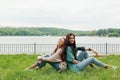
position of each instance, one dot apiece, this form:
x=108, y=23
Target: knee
x=92, y=58
x=83, y=52
x=47, y=55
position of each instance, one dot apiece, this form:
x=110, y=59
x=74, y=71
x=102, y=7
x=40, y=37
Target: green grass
x=12, y=68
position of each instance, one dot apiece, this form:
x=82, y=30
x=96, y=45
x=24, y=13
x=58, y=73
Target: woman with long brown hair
x=74, y=62
x=56, y=59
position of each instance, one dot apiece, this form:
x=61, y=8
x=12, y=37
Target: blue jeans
x=82, y=65
x=83, y=55
x=53, y=64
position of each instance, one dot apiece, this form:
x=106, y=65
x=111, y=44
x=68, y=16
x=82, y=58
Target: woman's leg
x=36, y=65
x=32, y=66
x=82, y=55
x=55, y=65
x=41, y=64
x=82, y=65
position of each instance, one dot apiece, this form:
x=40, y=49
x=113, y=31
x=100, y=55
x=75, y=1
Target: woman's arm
x=56, y=57
x=95, y=52
x=88, y=49
x=49, y=59
x=81, y=48
x=70, y=57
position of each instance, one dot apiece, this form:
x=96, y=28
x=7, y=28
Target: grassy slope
x=12, y=68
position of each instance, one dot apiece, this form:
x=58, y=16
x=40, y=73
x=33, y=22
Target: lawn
x=12, y=68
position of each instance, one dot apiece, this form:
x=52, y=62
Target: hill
x=39, y=32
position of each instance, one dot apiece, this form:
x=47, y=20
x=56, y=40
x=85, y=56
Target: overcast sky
x=69, y=14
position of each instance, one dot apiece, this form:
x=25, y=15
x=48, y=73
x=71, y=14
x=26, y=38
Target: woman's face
x=72, y=39
x=61, y=42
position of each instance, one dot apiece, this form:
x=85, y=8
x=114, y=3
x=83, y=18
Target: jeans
x=82, y=65
x=82, y=55
x=53, y=64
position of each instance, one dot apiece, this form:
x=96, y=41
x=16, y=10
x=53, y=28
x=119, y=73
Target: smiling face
x=72, y=39
x=61, y=42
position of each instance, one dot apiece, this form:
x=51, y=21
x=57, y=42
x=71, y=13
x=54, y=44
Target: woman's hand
x=95, y=52
x=75, y=61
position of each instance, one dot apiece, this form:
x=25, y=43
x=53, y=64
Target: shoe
x=27, y=69
x=114, y=67
x=60, y=70
x=37, y=68
x=108, y=66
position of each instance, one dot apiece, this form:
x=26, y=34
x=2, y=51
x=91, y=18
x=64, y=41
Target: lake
x=54, y=39
x=46, y=44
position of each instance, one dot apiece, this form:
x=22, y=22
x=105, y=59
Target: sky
x=68, y=14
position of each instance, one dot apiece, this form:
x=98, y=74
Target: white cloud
x=82, y=14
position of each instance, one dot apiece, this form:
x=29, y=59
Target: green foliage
x=12, y=68
x=56, y=32
x=115, y=34
x=39, y=32
x=108, y=32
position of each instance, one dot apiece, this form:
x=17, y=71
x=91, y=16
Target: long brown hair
x=63, y=50
x=67, y=43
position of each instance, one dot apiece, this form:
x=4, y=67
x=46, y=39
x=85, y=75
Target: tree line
x=23, y=31
x=108, y=32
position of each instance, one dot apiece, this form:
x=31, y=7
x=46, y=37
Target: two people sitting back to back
x=65, y=57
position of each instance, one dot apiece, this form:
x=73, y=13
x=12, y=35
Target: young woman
x=77, y=64
x=55, y=59
x=83, y=54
